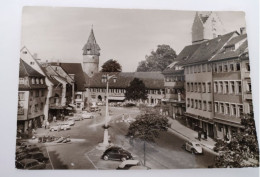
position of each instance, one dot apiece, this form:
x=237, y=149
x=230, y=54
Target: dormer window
x=31, y=63
x=41, y=81
x=24, y=52
x=230, y=48
x=33, y=80
x=37, y=81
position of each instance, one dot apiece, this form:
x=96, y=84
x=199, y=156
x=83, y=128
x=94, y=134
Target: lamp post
x=106, y=78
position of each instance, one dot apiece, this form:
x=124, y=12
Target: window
x=42, y=93
x=216, y=107
x=188, y=86
x=226, y=87
x=209, y=67
x=30, y=110
x=220, y=87
x=204, y=105
x=221, y=108
x=241, y=111
x=41, y=81
x=203, y=87
x=237, y=66
x=31, y=63
x=195, y=87
x=225, y=67
x=220, y=67
x=232, y=87
x=192, y=103
x=220, y=127
x=41, y=108
x=199, y=87
x=248, y=87
x=234, y=109
x=33, y=81
x=247, y=67
x=21, y=96
x=36, y=108
x=239, y=87
x=188, y=102
x=215, y=87
x=196, y=104
x=37, y=81
x=199, y=68
x=231, y=66
x=200, y=106
x=227, y=109
x=37, y=93
x=209, y=87
x=209, y=106
x=21, y=80
x=191, y=87
x=215, y=68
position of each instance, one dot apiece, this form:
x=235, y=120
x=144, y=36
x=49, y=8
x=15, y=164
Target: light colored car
x=87, y=115
x=100, y=103
x=71, y=122
x=29, y=164
x=193, y=147
x=132, y=165
x=61, y=126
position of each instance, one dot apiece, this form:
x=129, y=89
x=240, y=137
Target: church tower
x=206, y=25
x=91, y=55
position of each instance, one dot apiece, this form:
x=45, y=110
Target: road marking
x=49, y=157
x=92, y=162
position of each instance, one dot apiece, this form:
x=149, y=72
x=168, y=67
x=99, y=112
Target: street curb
x=204, y=146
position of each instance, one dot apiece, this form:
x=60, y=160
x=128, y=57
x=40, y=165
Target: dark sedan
x=116, y=153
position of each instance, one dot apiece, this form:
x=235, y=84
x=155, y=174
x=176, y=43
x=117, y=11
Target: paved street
x=81, y=153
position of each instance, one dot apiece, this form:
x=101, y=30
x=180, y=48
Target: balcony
x=178, y=84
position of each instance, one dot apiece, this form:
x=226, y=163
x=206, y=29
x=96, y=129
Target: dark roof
x=231, y=53
x=27, y=70
x=91, y=47
x=236, y=39
x=152, y=80
x=207, y=49
x=75, y=68
x=52, y=80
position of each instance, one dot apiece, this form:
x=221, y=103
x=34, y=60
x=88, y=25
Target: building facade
x=31, y=98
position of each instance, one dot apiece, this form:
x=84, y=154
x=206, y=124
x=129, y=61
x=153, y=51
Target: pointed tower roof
x=91, y=47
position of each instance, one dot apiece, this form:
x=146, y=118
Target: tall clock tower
x=91, y=53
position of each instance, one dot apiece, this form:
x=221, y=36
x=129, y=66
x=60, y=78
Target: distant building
x=31, y=98
x=91, y=53
x=96, y=89
x=206, y=26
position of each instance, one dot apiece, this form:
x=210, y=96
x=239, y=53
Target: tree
x=136, y=90
x=111, y=66
x=242, y=150
x=158, y=60
x=147, y=127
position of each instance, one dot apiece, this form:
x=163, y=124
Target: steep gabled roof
x=208, y=49
x=91, y=47
x=76, y=68
x=236, y=39
x=152, y=80
x=27, y=70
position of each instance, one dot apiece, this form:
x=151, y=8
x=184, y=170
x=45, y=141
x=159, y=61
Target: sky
x=126, y=35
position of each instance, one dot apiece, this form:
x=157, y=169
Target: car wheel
x=123, y=159
x=105, y=157
x=193, y=151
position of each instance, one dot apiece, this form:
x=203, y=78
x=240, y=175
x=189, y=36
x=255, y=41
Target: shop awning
x=116, y=98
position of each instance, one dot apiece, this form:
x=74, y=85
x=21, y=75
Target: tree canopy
x=111, y=66
x=148, y=126
x=136, y=90
x=242, y=150
x=158, y=60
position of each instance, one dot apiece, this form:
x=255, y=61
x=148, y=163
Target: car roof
x=37, y=152
x=128, y=162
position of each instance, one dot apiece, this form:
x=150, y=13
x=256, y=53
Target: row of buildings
x=208, y=85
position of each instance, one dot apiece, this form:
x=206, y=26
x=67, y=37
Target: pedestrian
x=205, y=135
x=54, y=118
x=199, y=135
x=47, y=125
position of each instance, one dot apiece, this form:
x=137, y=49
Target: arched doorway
x=99, y=98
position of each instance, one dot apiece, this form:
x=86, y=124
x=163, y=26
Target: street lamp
x=106, y=78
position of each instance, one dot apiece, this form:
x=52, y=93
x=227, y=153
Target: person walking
x=54, y=118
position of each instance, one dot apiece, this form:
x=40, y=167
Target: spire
x=91, y=47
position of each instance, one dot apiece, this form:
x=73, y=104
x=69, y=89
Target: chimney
x=242, y=30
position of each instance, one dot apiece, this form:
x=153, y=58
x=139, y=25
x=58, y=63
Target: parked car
x=132, y=165
x=193, y=147
x=100, y=103
x=87, y=115
x=61, y=126
x=32, y=149
x=29, y=164
x=94, y=108
x=69, y=122
x=116, y=153
x=76, y=118
x=21, y=156
x=38, y=156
